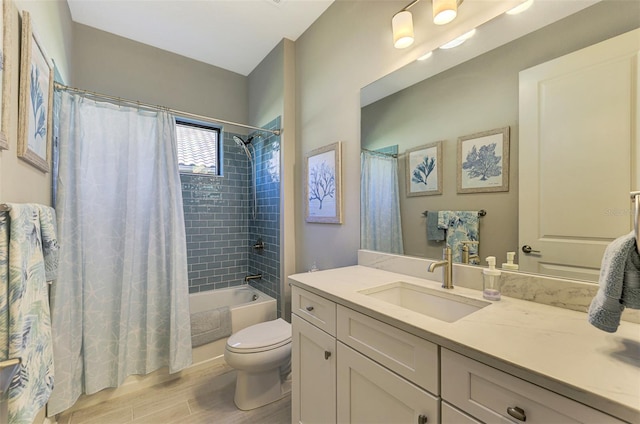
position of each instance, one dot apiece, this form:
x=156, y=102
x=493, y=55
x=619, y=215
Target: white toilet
x=261, y=354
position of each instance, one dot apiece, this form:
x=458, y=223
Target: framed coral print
x=483, y=161
x=36, y=99
x=424, y=170
x=323, y=194
x=5, y=70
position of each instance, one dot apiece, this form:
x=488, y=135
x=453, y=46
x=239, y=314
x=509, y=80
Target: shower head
x=240, y=142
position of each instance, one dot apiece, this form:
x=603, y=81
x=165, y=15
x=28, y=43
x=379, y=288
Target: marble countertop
x=552, y=347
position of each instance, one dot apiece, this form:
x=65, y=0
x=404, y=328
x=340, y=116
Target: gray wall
x=478, y=95
x=113, y=65
x=348, y=47
x=19, y=181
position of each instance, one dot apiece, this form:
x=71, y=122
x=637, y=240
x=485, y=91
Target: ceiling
x=232, y=34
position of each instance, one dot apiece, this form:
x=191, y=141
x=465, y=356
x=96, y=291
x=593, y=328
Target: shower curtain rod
x=393, y=155
x=59, y=86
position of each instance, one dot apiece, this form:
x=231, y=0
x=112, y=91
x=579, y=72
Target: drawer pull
x=327, y=354
x=309, y=308
x=517, y=413
x=422, y=419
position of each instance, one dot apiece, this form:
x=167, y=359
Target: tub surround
x=552, y=347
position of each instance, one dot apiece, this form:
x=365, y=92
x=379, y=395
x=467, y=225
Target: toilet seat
x=260, y=337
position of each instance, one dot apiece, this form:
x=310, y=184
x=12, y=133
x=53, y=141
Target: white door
x=370, y=393
x=313, y=366
x=578, y=131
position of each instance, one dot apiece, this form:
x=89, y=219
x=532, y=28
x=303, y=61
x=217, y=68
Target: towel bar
x=481, y=212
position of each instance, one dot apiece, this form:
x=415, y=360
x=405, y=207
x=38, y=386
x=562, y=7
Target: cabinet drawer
x=488, y=394
x=315, y=309
x=410, y=356
x=451, y=415
x=370, y=393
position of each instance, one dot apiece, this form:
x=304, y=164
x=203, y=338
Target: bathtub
x=248, y=306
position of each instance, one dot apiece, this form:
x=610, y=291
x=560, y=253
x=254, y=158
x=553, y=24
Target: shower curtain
x=120, y=306
x=380, y=226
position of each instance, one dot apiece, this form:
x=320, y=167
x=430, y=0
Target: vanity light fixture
x=457, y=41
x=444, y=11
x=520, y=8
x=402, y=24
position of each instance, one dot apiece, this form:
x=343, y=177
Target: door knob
x=528, y=249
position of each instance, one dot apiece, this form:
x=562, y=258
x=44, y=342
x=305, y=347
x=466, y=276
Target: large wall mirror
x=482, y=92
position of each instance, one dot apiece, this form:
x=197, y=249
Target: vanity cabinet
x=370, y=393
x=491, y=395
x=313, y=358
x=351, y=368
x=373, y=362
x=313, y=366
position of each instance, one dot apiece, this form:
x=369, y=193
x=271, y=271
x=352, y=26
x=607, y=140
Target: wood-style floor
x=199, y=398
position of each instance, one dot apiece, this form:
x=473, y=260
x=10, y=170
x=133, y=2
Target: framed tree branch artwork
x=424, y=170
x=323, y=185
x=483, y=162
x=5, y=71
x=35, y=100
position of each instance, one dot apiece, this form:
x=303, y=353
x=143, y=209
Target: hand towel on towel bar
x=619, y=284
x=209, y=326
x=461, y=226
x=434, y=233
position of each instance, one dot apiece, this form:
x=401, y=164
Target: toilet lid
x=262, y=335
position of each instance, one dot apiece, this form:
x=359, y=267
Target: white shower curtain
x=120, y=305
x=380, y=224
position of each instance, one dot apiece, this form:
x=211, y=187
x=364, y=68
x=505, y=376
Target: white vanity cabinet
x=383, y=374
x=491, y=395
x=351, y=368
x=313, y=358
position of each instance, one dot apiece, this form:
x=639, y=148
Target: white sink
x=444, y=306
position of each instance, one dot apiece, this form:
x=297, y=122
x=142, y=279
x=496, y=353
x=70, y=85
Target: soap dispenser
x=491, y=280
x=510, y=265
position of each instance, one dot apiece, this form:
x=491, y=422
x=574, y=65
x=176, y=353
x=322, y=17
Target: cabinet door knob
x=422, y=419
x=327, y=354
x=309, y=308
x=517, y=413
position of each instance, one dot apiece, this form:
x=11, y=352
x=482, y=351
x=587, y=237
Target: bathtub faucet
x=252, y=277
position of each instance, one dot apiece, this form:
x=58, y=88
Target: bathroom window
x=198, y=147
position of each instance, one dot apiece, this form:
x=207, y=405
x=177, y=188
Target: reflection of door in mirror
x=578, y=133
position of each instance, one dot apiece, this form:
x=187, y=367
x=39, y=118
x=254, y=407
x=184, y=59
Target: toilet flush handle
x=327, y=354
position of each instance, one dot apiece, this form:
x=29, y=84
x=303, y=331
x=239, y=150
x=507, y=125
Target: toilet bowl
x=261, y=355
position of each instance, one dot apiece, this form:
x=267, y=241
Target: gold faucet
x=447, y=272
x=466, y=257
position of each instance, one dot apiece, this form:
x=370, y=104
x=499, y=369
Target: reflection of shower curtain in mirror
x=380, y=226
x=121, y=305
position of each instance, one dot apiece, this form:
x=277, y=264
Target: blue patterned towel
x=619, y=284
x=461, y=226
x=25, y=321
